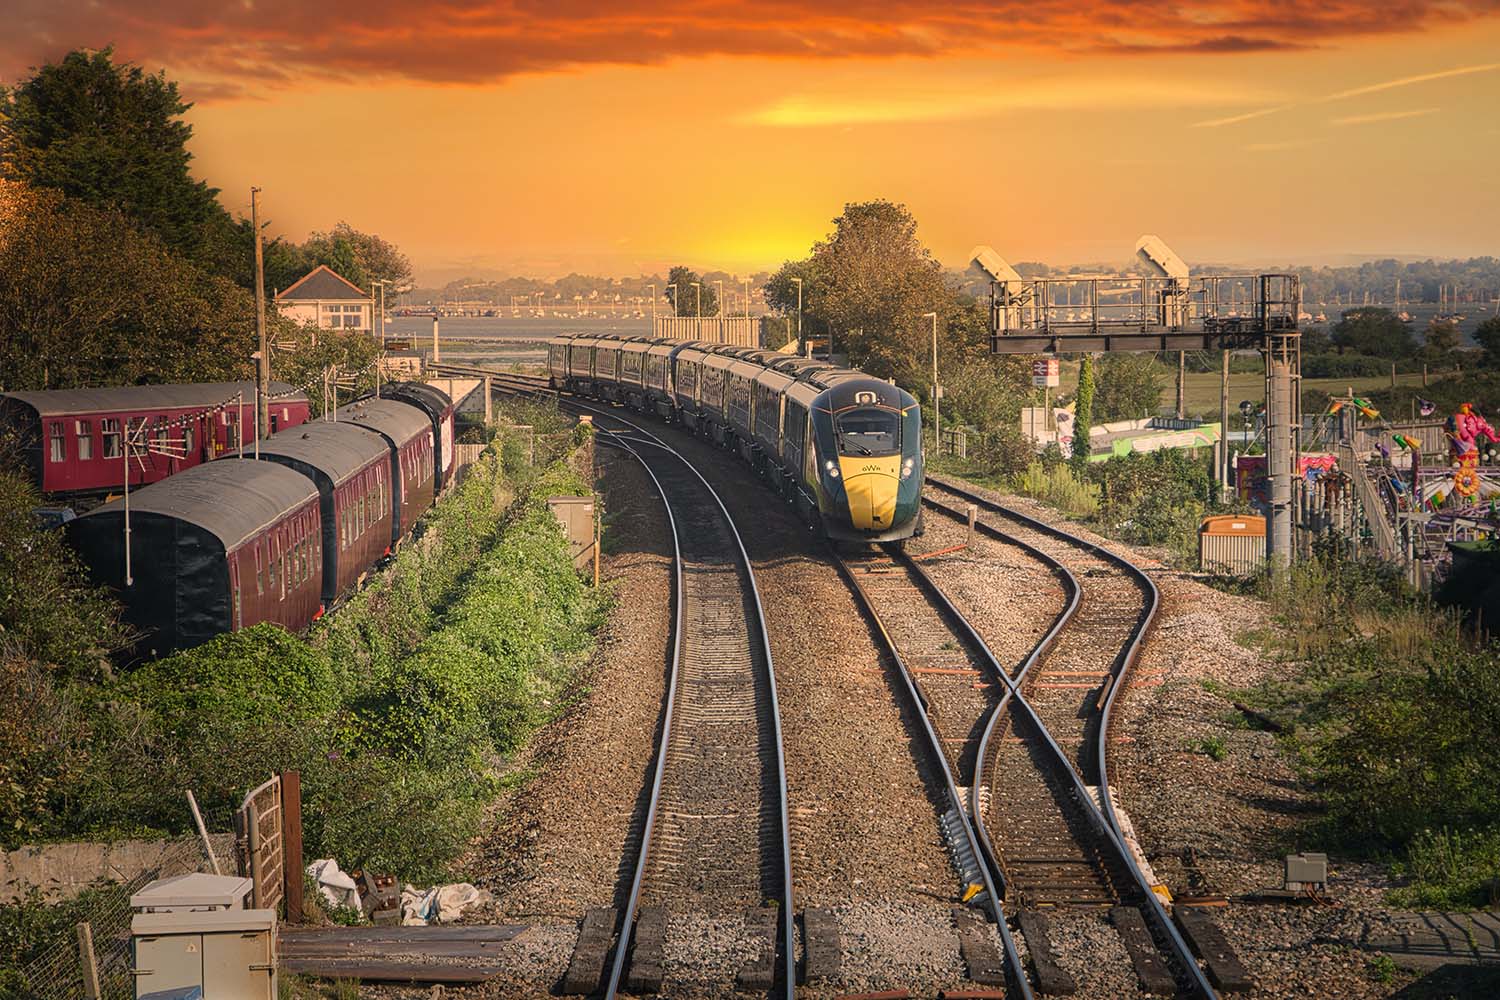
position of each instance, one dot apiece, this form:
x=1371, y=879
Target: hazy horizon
x=483, y=139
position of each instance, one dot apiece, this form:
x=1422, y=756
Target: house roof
x=322, y=283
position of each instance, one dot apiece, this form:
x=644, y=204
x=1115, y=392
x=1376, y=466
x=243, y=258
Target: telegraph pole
x=263, y=364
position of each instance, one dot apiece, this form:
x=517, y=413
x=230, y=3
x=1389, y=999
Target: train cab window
x=59, y=451
x=868, y=431
x=85, y=432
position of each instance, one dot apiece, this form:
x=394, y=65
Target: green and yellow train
x=844, y=448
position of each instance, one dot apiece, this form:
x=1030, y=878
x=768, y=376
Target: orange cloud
x=252, y=44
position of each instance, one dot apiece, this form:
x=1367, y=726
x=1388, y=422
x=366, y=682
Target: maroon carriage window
x=59, y=442
x=84, y=430
x=109, y=429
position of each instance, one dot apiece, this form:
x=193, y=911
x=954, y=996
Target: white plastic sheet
x=441, y=904
x=336, y=888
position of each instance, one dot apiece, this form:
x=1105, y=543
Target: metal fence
x=65, y=970
x=257, y=827
x=741, y=330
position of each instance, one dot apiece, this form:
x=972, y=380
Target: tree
x=1083, y=416
x=1130, y=386
x=1373, y=331
x=1487, y=336
x=89, y=298
x=685, y=298
x=360, y=257
x=113, y=136
x=1441, y=343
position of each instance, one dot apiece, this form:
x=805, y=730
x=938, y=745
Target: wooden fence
x=259, y=840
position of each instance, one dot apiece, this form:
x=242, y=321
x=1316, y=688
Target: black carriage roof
x=232, y=499
x=423, y=391
x=394, y=419
x=66, y=402
x=335, y=449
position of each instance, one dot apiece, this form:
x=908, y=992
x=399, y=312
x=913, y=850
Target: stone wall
x=61, y=871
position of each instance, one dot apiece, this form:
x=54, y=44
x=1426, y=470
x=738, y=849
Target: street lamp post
x=381, y=282
x=937, y=390
x=801, y=348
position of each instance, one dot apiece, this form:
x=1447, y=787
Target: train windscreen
x=869, y=431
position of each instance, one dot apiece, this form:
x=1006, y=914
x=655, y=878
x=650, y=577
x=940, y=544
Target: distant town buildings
x=326, y=301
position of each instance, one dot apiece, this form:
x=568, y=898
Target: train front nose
x=871, y=485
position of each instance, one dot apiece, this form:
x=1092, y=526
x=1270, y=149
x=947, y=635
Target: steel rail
x=1102, y=812
x=787, y=913
x=994, y=880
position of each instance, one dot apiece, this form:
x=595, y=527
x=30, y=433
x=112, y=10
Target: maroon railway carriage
x=439, y=409
x=407, y=432
x=216, y=548
x=73, y=439
x=352, y=472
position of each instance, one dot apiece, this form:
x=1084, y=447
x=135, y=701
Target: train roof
x=232, y=499
x=107, y=399
x=398, y=421
x=337, y=450
x=429, y=395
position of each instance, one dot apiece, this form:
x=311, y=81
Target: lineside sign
x=1044, y=372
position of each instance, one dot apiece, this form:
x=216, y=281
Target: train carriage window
x=187, y=439
x=239, y=619
x=109, y=430
x=59, y=441
x=271, y=562
x=85, y=432
x=260, y=573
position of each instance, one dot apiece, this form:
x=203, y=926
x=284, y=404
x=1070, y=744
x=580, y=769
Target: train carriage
x=73, y=440
x=629, y=385
x=439, y=409
x=407, y=434
x=656, y=378
x=350, y=467
x=218, y=547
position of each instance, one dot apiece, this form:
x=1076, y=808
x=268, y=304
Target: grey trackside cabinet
x=577, y=517
x=194, y=932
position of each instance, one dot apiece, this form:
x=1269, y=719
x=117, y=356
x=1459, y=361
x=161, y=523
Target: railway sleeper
x=1152, y=972
x=648, y=950
x=1051, y=978
x=760, y=972
x=977, y=947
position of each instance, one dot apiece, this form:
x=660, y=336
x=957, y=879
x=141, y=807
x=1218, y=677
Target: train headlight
x=907, y=467
x=832, y=468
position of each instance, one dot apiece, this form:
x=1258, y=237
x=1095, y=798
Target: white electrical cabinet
x=194, y=932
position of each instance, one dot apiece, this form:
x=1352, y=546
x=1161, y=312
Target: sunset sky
x=617, y=138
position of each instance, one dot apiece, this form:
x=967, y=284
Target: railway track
x=1041, y=797
x=714, y=846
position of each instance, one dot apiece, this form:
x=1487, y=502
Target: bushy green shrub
x=1392, y=710
x=48, y=610
x=1058, y=487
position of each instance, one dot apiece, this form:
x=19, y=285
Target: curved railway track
x=1046, y=811
x=1022, y=750
x=715, y=838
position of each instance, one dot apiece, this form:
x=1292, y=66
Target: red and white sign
x=1044, y=372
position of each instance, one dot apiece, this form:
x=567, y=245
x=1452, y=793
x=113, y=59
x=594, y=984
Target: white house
x=327, y=301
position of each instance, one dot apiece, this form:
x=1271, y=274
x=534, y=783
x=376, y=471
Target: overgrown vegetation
x=1158, y=498
x=398, y=710
x=1392, y=709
